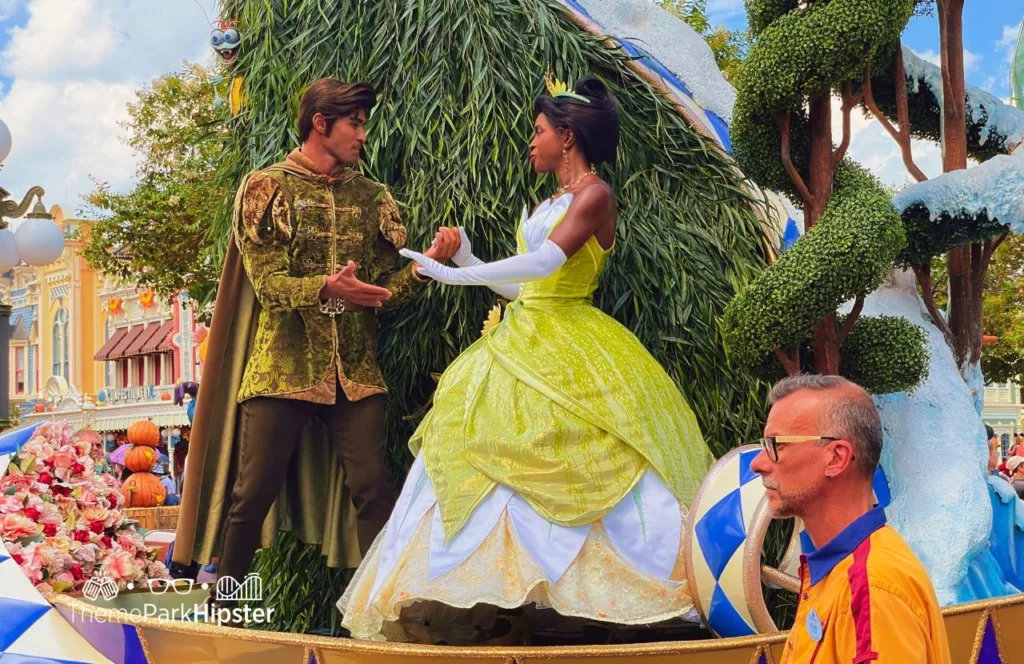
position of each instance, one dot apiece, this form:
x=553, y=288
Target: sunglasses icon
x=180, y=586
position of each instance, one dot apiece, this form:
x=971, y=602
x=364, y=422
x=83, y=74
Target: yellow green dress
x=553, y=469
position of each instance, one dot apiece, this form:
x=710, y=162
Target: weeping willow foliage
x=456, y=82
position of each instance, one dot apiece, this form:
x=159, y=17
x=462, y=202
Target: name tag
x=814, y=627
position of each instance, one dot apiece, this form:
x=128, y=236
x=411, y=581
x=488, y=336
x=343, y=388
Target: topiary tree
x=932, y=103
x=787, y=320
x=456, y=84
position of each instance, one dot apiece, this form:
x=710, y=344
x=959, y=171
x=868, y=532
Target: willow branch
x=851, y=319
x=782, y=119
x=924, y=277
x=790, y=362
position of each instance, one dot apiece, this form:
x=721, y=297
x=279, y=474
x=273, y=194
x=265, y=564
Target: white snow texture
x=673, y=42
x=995, y=186
x=934, y=452
x=1007, y=120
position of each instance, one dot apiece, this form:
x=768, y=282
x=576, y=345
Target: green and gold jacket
x=295, y=226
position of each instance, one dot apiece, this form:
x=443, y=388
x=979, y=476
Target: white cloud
x=989, y=84
x=871, y=146
x=1009, y=37
x=971, y=59
x=75, y=64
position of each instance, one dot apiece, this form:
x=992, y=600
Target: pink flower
x=16, y=526
x=10, y=504
x=44, y=588
x=120, y=566
x=17, y=481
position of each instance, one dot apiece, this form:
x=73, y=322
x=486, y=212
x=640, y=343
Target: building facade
x=1002, y=411
x=78, y=337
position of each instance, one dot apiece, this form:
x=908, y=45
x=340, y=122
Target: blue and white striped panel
x=671, y=81
x=31, y=630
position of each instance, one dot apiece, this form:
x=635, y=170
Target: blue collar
x=822, y=560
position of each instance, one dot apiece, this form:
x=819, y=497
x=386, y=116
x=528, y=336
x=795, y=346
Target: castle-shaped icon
x=249, y=590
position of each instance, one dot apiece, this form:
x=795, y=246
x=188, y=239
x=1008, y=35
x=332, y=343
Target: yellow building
x=78, y=337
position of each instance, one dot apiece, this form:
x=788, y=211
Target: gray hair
x=852, y=417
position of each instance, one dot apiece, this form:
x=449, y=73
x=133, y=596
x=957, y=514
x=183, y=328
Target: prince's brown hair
x=333, y=99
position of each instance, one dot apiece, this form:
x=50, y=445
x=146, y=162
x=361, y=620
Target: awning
x=122, y=422
x=126, y=341
x=104, y=353
x=135, y=347
x=160, y=342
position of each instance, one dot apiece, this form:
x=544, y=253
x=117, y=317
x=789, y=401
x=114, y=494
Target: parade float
x=680, y=190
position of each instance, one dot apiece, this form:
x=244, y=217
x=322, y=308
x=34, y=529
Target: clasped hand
x=346, y=286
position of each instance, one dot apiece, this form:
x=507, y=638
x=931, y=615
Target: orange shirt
x=865, y=597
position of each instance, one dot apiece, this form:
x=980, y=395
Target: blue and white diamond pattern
x=722, y=517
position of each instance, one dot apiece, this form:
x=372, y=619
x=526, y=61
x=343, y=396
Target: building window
x=19, y=371
x=157, y=369
x=61, y=345
x=124, y=373
x=140, y=372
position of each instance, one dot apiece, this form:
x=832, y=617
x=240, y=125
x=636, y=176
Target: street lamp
x=39, y=241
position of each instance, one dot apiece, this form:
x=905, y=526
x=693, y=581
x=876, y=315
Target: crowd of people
x=1011, y=468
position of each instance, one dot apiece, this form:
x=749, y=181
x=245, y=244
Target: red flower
x=50, y=530
x=32, y=513
x=61, y=490
x=17, y=558
x=76, y=571
x=112, y=501
x=45, y=478
x=106, y=541
x=96, y=527
x=82, y=536
x=77, y=468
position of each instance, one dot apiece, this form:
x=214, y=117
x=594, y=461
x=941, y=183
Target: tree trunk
x=963, y=262
x=819, y=182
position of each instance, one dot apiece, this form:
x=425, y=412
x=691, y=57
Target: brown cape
x=314, y=505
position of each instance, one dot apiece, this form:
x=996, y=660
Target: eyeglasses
x=770, y=444
x=181, y=586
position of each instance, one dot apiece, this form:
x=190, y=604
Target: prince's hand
x=447, y=242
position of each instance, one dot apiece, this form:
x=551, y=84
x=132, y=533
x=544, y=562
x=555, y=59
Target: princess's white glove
x=527, y=267
x=464, y=258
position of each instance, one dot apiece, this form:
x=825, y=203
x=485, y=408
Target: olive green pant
x=269, y=434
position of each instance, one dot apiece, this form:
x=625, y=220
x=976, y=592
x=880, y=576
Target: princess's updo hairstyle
x=596, y=125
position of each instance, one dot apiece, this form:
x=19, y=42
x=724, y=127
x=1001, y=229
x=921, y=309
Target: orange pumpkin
x=140, y=459
x=144, y=432
x=143, y=490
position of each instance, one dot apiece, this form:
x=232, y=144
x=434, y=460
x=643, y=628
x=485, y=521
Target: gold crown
x=558, y=88
x=555, y=87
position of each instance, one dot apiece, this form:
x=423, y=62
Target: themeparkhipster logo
x=225, y=611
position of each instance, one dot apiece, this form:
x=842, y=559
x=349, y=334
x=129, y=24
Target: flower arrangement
x=61, y=516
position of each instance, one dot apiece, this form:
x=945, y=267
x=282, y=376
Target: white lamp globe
x=8, y=252
x=39, y=241
x=5, y=141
